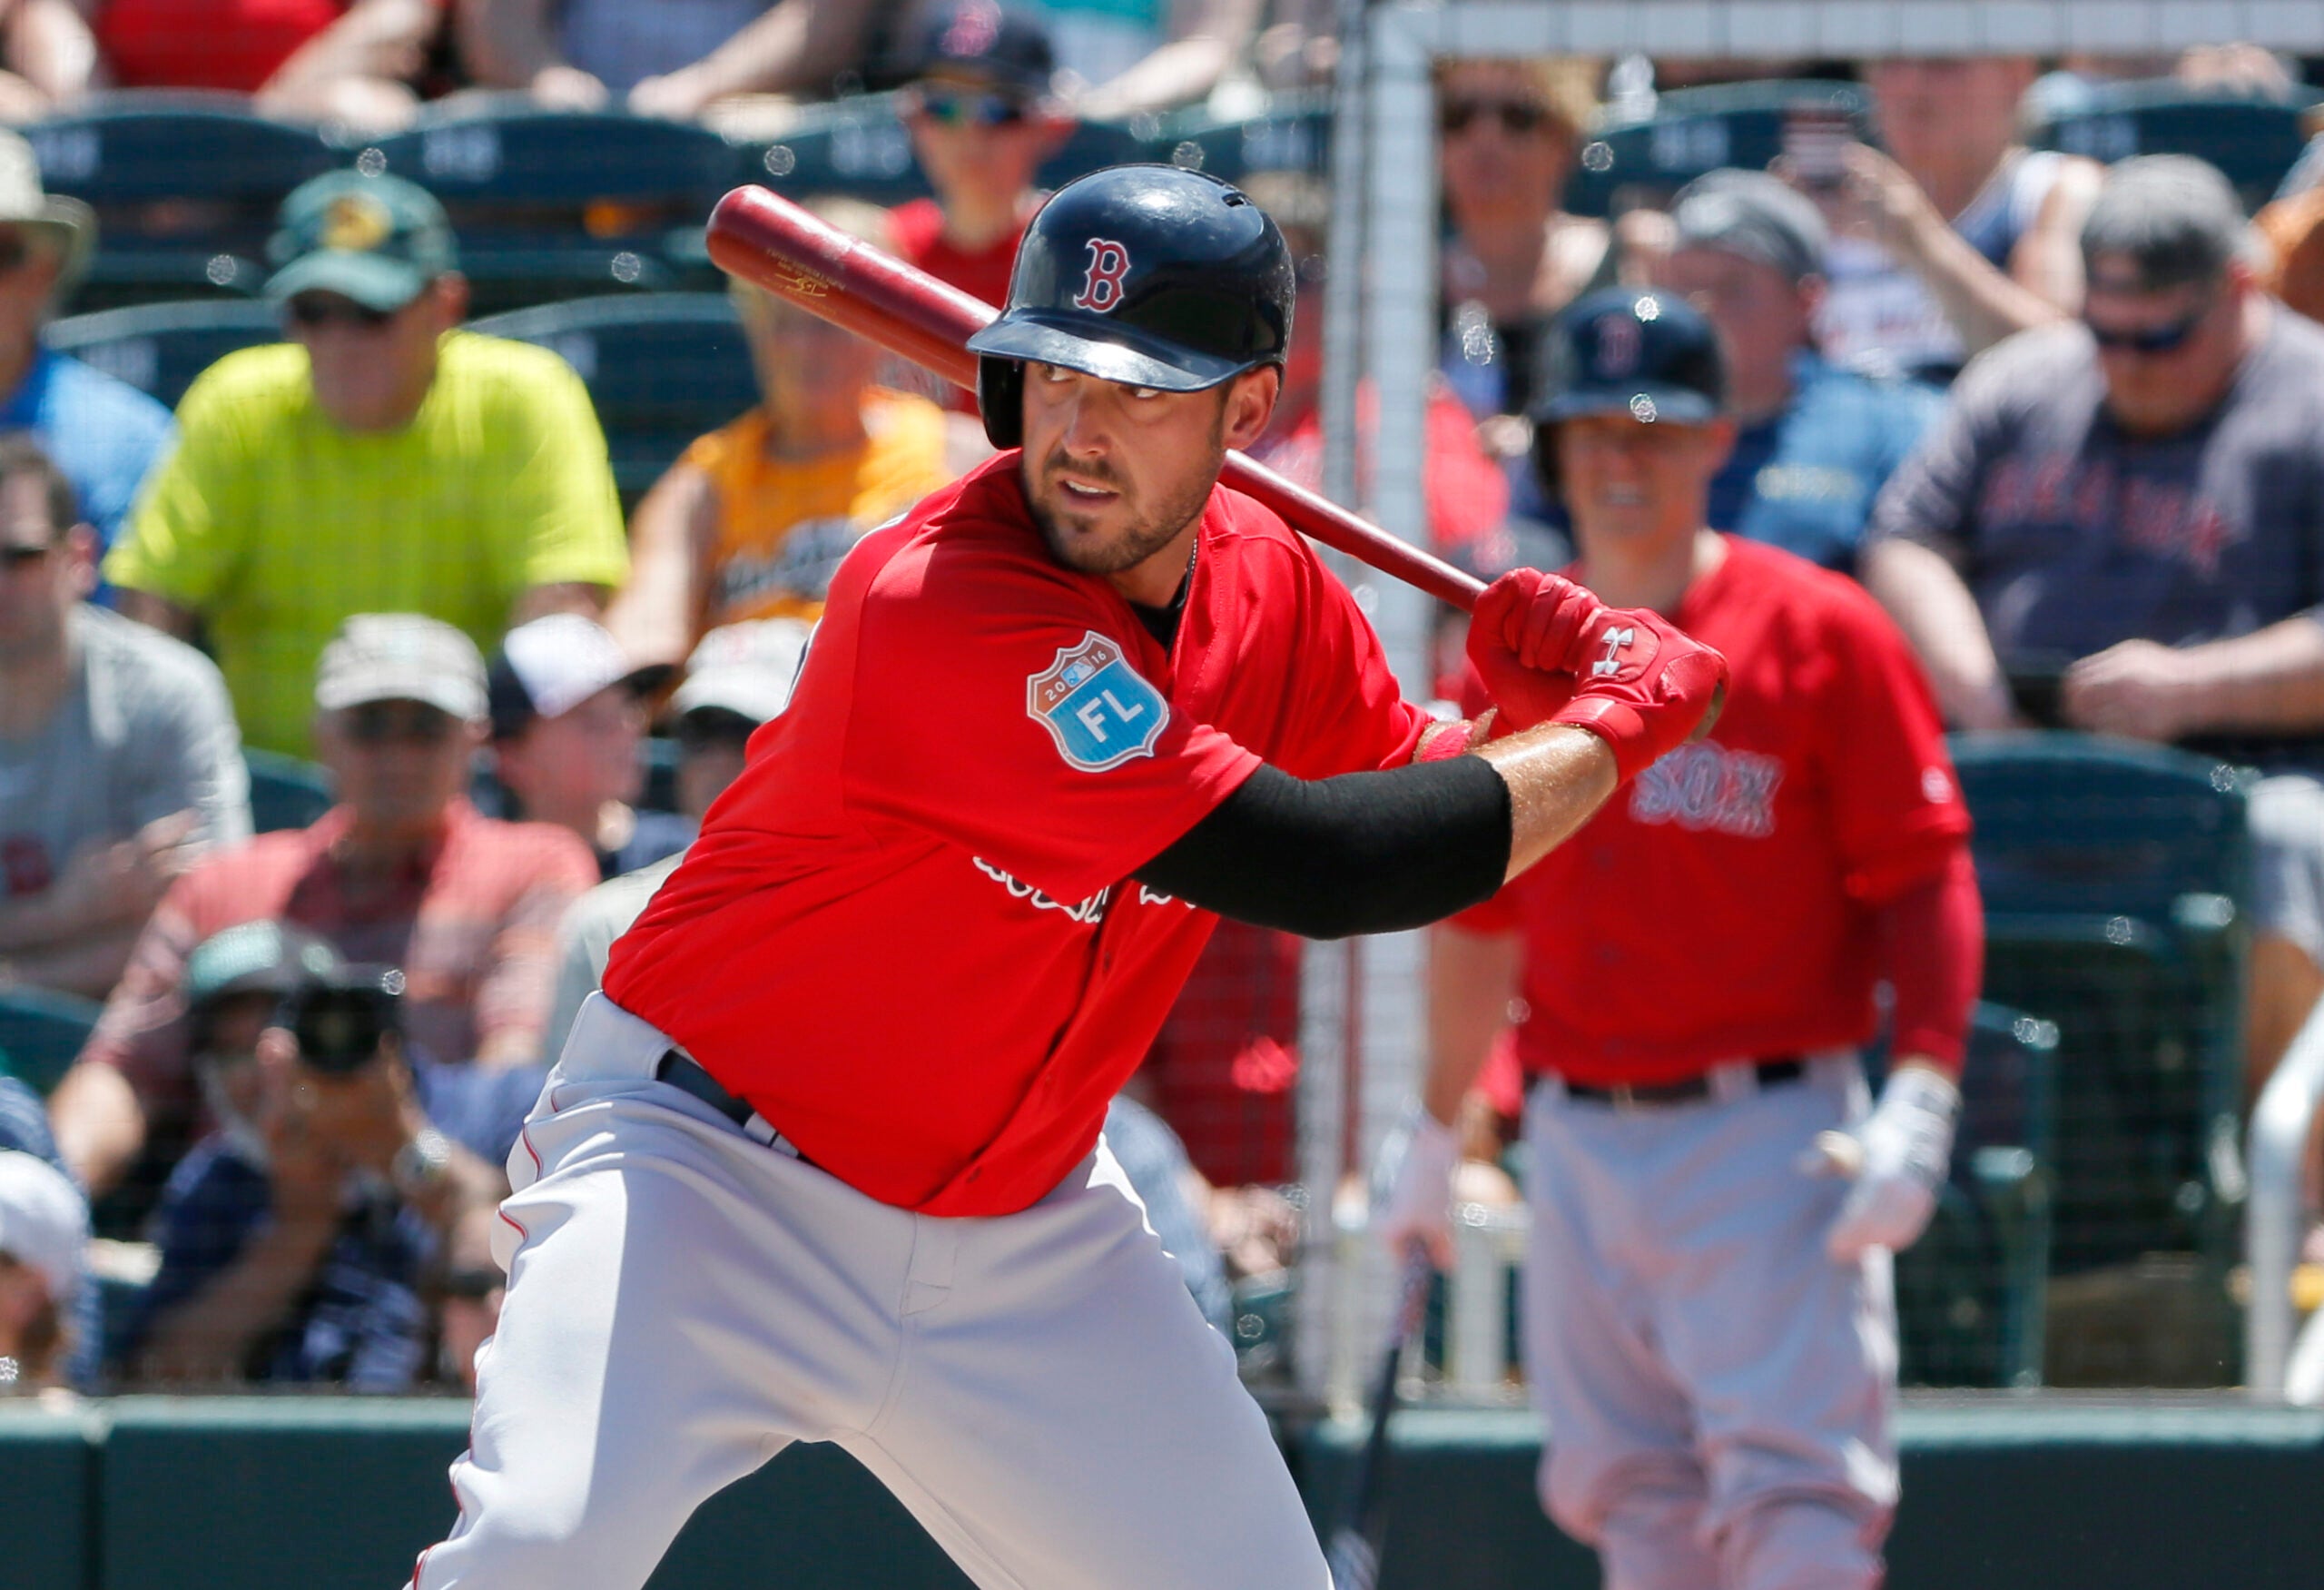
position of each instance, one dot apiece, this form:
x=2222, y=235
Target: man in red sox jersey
x=1708, y=1324
x=822, y=1162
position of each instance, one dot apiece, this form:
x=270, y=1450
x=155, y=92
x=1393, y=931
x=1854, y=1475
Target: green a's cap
x=376, y=240
x=254, y=957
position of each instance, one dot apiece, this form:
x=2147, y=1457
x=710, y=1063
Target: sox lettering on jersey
x=1101, y=288
x=1709, y=788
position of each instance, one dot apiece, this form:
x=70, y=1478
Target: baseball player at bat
x=1710, y=1329
x=822, y=1162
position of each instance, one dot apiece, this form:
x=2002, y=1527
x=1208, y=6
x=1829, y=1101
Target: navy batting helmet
x=1625, y=351
x=1144, y=274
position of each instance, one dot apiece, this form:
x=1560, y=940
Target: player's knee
x=1645, y=1498
x=1798, y=1541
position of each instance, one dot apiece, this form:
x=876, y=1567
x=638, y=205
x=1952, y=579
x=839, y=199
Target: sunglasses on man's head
x=375, y=723
x=1516, y=115
x=314, y=311
x=2164, y=339
x=973, y=110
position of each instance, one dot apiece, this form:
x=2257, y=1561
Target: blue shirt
x=362, y=1322
x=102, y=433
x=1806, y=481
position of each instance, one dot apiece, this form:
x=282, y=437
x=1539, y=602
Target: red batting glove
x=1644, y=688
x=1523, y=639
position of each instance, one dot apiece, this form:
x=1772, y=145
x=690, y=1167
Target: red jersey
x=907, y=934
x=918, y=226
x=1717, y=908
x=207, y=44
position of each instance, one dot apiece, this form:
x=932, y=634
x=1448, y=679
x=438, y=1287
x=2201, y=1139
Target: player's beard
x=1146, y=534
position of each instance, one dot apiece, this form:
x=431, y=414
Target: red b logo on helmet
x=1109, y=263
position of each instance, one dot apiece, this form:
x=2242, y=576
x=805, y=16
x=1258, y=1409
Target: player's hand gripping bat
x=765, y=239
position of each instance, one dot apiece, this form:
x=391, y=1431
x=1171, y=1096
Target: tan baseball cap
x=401, y=656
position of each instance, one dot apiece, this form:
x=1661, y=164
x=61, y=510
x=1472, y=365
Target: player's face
x=1621, y=479
x=1117, y=476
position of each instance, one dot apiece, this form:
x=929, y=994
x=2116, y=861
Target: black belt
x=683, y=1072
x=1787, y=1068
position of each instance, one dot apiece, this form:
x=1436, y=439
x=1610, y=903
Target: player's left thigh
x=1067, y=1419
x=1788, y=1358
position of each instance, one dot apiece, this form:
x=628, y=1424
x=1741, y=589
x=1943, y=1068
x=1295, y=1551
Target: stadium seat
x=42, y=1031
x=552, y=204
x=2253, y=140
x=1293, y=134
x=857, y=146
x=662, y=369
x=185, y=187
x=2115, y=879
x=159, y=348
x=1970, y=1294
x=1696, y=130
x=285, y=793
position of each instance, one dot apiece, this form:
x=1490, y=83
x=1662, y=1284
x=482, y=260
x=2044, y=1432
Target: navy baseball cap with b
x=380, y=240
x=1008, y=47
x=1625, y=351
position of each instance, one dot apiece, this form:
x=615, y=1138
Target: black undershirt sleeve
x=1356, y=853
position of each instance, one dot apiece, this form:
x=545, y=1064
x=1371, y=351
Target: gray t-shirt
x=144, y=730
x=585, y=941
x=2073, y=536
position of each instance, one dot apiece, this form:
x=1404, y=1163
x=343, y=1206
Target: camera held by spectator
x=297, y=1239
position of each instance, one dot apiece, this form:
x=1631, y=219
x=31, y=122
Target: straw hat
x=23, y=202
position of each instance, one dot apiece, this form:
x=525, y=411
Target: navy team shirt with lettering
x=2074, y=534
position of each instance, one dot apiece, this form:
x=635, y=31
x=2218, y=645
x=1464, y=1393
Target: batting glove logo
x=1102, y=290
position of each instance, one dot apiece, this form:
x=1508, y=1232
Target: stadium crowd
x=2056, y=418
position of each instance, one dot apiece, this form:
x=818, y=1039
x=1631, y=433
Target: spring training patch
x=1100, y=711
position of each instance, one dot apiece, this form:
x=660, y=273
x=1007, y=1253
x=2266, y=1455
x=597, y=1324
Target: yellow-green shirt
x=274, y=524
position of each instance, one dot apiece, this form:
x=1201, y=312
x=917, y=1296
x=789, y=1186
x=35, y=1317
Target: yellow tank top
x=784, y=527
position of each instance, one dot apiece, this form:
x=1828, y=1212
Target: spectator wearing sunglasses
x=378, y=460
x=103, y=433
x=753, y=518
x=1508, y=134
x=403, y=872
x=983, y=114
x=119, y=761
x=2112, y=527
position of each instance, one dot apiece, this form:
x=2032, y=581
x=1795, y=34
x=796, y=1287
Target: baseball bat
x=1353, y=1552
x=765, y=239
